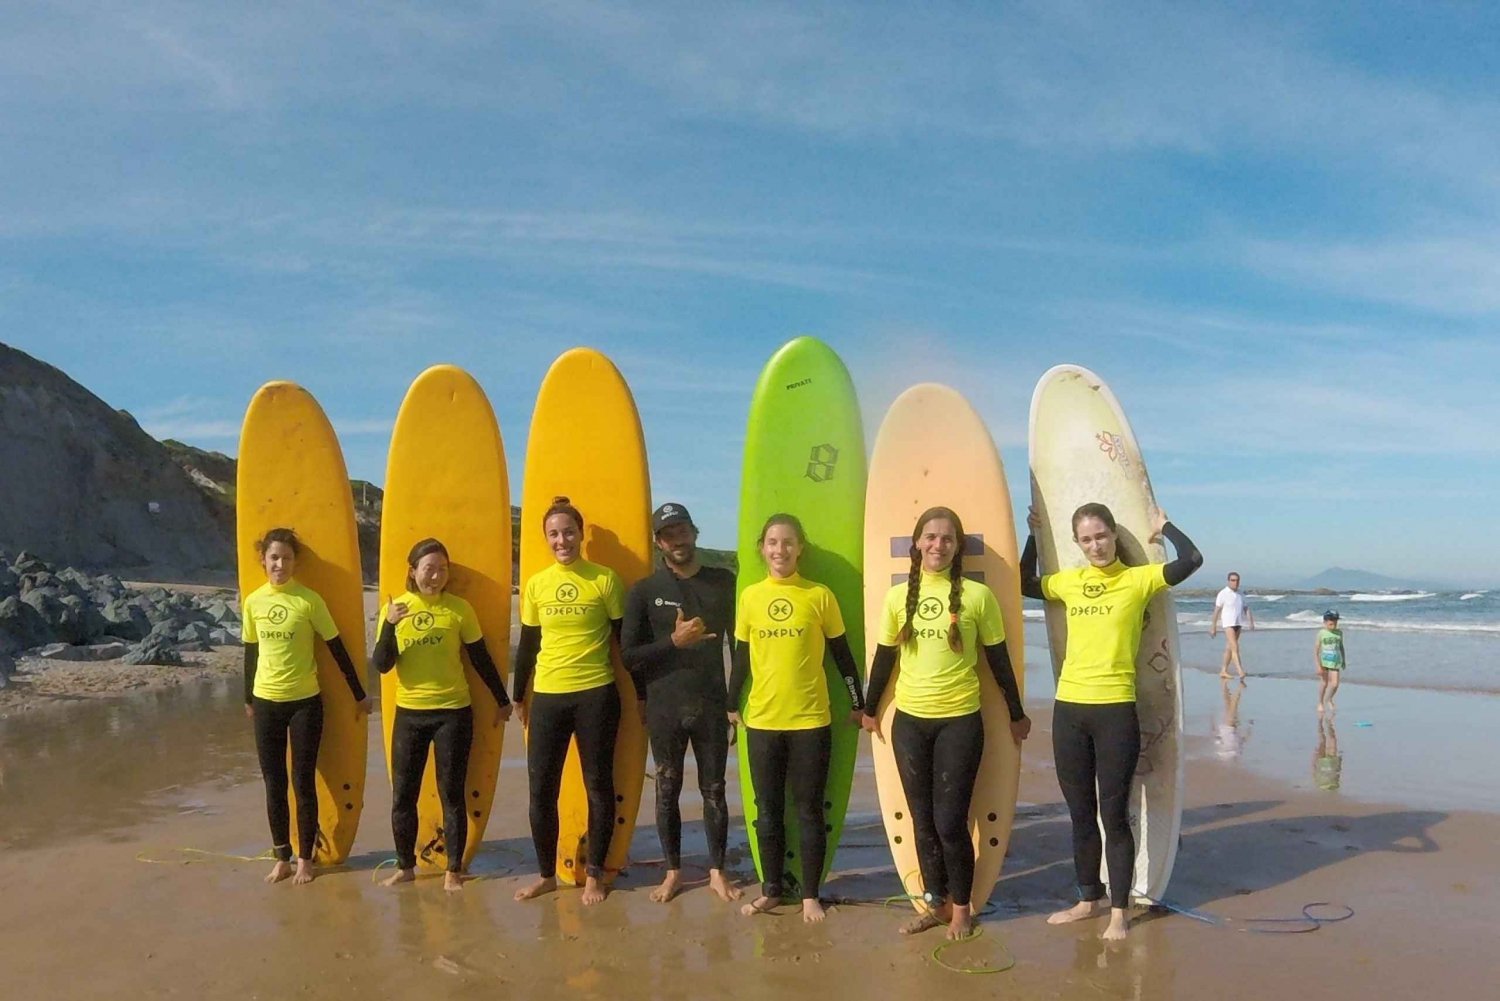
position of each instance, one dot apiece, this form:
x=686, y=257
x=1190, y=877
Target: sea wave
x=1309, y=620
x=1393, y=597
x=1471, y=595
x=1268, y=597
x=1033, y=613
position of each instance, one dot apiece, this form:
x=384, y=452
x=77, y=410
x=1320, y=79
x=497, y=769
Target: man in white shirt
x=1231, y=612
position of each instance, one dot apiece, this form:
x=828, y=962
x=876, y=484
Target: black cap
x=1331, y=614
x=669, y=514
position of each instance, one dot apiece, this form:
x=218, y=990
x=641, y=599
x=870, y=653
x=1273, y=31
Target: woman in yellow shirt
x=569, y=613
x=935, y=623
x=282, y=696
x=1096, y=735
x=782, y=627
x=422, y=633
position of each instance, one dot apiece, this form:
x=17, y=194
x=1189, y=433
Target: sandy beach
x=90, y=790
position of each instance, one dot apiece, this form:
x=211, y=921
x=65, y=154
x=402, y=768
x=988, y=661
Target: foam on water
x=1393, y=597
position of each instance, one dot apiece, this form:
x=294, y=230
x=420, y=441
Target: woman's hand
x=857, y=718
x=396, y=611
x=734, y=719
x=871, y=724
x=249, y=711
x=523, y=712
x=1020, y=729
x=503, y=713
x=1158, y=522
x=1033, y=520
x=363, y=706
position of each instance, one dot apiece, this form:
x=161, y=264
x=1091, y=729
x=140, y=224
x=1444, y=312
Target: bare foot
x=1320, y=708
x=1080, y=911
x=720, y=884
x=400, y=876
x=1224, y=675
x=279, y=871
x=543, y=885
x=454, y=881
x=305, y=872
x=668, y=888
x=961, y=925
x=812, y=910
x=760, y=905
x=1118, y=928
x=594, y=891
x=925, y=921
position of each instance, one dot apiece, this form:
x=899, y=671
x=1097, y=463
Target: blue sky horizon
x=1273, y=231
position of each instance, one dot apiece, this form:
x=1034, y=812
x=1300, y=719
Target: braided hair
x=955, y=570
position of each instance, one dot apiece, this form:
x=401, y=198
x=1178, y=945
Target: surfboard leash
x=1308, y=922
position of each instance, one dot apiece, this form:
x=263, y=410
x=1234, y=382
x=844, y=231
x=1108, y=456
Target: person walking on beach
x=676, y=623
x=569, y=613
x=422, y=632
x=783, y=626
x=1096, y=734
x=282, y=695
x=1328, y=654
x=1231, y=612
x=937, y=733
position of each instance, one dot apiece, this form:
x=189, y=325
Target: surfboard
x=933, y=449
x=1083, y=450
x=446, y=479
x=586, y=444
x=291, y=474
x=805, y=455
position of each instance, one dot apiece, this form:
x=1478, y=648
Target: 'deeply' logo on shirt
x=277, y=615
x=779, y=610
x=1094, y=591
x=929, y=608
x=567, y=593
x=422, y=621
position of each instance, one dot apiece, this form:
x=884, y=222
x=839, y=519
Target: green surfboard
x=805, y=455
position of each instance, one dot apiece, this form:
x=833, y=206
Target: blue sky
x=1273, y=229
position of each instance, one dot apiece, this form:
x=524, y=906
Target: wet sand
x=86, y=788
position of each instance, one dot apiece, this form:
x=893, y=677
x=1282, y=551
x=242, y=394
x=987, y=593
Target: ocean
x=1444, y=640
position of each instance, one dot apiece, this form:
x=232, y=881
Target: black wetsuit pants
x=1096, y=747
x=593, y=717
x=301, y=722
x=795, y=761
x=450, y=733
x=938, y=760
x=673, y=726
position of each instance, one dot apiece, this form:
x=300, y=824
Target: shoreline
x=1257, y=841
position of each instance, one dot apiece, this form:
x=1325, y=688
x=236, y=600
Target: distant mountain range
x=1342, y=579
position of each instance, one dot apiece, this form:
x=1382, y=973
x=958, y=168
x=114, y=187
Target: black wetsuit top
x=693, y=676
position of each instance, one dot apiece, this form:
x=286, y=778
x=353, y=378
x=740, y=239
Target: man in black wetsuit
x=676, y=623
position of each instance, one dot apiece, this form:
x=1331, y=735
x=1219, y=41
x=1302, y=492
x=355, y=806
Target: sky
x=1272, y=228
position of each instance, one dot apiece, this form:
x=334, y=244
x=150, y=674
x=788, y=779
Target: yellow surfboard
x=933, y=450
x=1083, y=450
x=586, y=444
x=291, y=474
x=446, y=479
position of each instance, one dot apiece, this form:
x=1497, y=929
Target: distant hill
x=1342, y=579
x=82, y=484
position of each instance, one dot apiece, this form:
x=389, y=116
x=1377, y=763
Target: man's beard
x=671, y=556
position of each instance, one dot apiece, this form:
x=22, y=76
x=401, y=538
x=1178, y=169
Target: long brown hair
x=955, y=589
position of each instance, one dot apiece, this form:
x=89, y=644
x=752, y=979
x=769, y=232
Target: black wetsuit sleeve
x=346, y=667
x=638, y=649
x=880, y=676
x=1005, y=676
x=739, y=674
x=484, y=666
x=843, y=658
x=252, y=657
x=1031, y=584
x=526, y=650
x=384, y=657
x=1188, y=558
